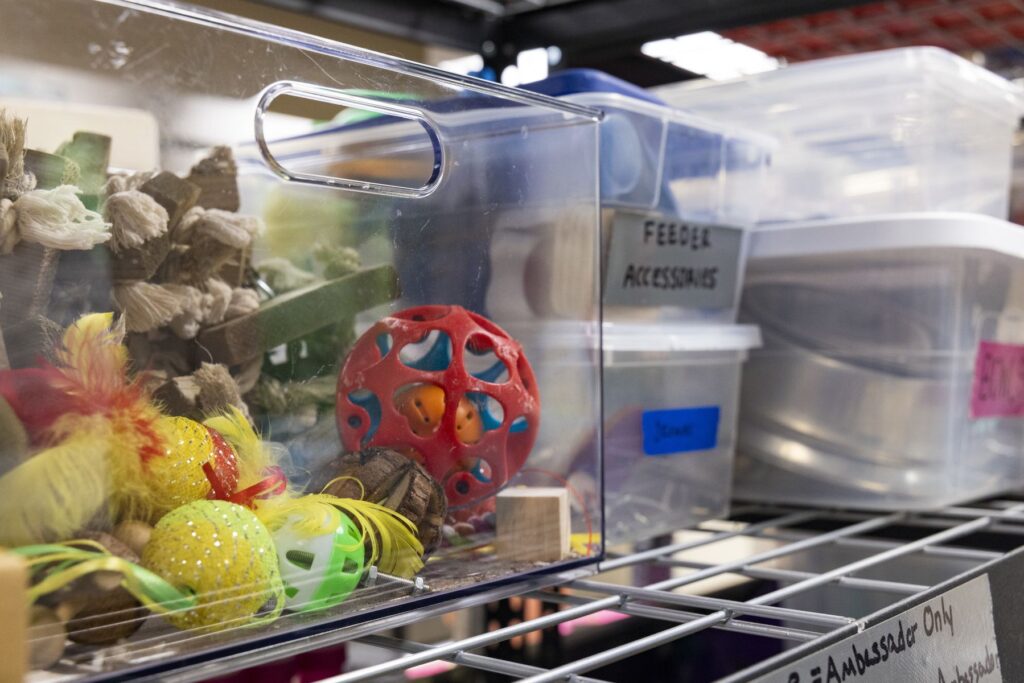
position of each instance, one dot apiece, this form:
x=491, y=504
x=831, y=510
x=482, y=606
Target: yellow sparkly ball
x=177, y=476
x=221, y=553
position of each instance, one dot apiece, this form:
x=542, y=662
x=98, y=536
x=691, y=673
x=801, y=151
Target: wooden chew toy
x=533, y=524
x=298, y=313
x=14, y=617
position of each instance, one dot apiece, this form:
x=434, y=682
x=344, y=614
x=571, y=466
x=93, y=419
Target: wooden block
x=175, y=194
x=91, y=152
x=217, y=175
x=142, y=262
x=14, y=617
x=5, y=362
x=50, y=170
x=298, y=313
x=533, y=524
x=26, y=281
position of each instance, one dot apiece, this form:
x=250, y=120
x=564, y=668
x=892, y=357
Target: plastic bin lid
x=932, y=230
x=905, y=65
x=678, y=337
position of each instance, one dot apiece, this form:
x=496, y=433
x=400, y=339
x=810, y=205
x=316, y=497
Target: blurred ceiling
x=608, y=34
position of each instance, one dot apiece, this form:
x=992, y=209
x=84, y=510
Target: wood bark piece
x=298, y=313
x=91, y=152
x=392, y=480
x=533, y=524
x=140, y=263
x=217, y=175
x=210, y=390
x=26, y=281
x=103, y=618
x=50, y=170
x=14, y=617
x=175, y=194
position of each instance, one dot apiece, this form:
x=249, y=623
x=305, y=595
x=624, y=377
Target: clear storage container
x=912, y=129
x=270, y=316
x=890, y=374
x=671, y=402
x=679, y=194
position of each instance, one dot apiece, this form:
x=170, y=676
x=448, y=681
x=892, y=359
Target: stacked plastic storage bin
x=679, y=194
x=281, y=395
x=890, y=376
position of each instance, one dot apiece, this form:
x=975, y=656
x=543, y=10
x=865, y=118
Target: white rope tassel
x=135, y=217
x=146, y=306
x=186, y=323
x=57, y=219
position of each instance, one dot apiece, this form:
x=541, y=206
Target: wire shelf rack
x=885, y=565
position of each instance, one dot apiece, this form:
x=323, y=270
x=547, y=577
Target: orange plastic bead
x=423, y=407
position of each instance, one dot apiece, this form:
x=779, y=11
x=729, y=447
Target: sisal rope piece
x=147, y=306
x=125, y=182
x=12, y=139
x=135, y=217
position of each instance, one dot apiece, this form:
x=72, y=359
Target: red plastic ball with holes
x=448, y=388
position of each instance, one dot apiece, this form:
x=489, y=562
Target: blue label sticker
x=680, y=430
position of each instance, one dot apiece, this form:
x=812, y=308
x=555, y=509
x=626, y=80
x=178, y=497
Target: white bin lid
x=673, y=337
x=885, y=232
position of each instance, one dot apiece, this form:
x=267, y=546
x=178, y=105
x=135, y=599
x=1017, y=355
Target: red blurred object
x=873, y=10
x=307, y=667
x=950, y=19
x=37, y=397
x=982, y=38
x=468, y=472
x=999, y=10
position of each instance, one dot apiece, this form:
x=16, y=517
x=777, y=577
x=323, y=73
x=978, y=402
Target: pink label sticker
x=998, y=381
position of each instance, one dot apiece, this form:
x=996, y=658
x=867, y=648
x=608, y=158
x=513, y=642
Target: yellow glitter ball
x=177, y=477
x=231, y=579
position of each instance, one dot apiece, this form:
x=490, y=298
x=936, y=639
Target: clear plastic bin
x=369, y=305
x=890, y=375
x=669, y=165
x=671, y=402
x=912, y=129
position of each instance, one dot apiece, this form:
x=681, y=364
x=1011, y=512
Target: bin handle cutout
x=336, y=97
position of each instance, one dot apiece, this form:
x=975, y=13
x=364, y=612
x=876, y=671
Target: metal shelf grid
x=946, y=534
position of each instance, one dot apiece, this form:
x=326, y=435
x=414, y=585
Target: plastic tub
x=911, y=129
x=698, y=180
x=296, y=304
x=671, y=401
x=889, y=378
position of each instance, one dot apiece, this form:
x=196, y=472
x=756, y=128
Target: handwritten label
x=998, y=389
x=662, y=261
x=950, y=639
x=680, y=430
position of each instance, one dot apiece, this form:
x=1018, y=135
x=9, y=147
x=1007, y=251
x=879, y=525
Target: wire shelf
x=784, y=549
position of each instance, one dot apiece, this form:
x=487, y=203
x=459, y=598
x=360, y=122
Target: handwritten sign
x=950, y=639
x=661, y=261
x=998, y=389
x=680, y=430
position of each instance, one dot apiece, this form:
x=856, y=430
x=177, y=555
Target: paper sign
x=998, y=389
x=949, y=639
x=661, y=261
x=680, y=430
